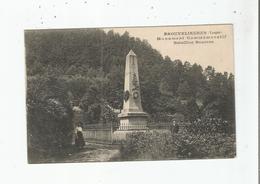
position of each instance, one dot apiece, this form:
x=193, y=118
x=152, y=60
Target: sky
x=202, y=44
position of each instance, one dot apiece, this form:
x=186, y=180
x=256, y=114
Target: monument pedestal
x=133, y=121
x=130, y=122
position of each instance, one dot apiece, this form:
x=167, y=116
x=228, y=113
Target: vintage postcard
x=130, y=93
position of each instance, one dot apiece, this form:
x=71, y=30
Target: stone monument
x=132, y=117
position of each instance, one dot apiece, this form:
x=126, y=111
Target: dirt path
x=95, y=153
x=90, y=153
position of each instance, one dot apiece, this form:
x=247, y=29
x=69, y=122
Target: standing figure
x=79, y=139
x=174, y=127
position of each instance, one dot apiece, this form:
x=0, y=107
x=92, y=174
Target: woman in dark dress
x=79, y=141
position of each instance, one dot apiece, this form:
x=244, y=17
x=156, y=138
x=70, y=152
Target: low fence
x=103, y=133
x=99, y=133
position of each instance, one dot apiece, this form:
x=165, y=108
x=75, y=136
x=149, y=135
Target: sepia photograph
x=130, y=93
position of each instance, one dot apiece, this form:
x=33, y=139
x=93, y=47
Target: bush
x=190, y=145
x=49, y=118
x=186, y=144
x=207, y=138
x=151, y=145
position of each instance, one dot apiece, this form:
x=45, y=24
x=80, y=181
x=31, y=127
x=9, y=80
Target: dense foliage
x=49, y=117
x=86, y=67
x=184, y=144
x=152, y=145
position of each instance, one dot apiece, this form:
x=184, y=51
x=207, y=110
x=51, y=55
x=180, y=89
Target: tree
x=49, y=116
x=184, y=90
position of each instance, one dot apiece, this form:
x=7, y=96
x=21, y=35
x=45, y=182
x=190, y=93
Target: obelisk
x=132, y=117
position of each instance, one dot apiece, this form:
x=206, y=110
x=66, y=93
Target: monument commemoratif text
x=132, y=116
